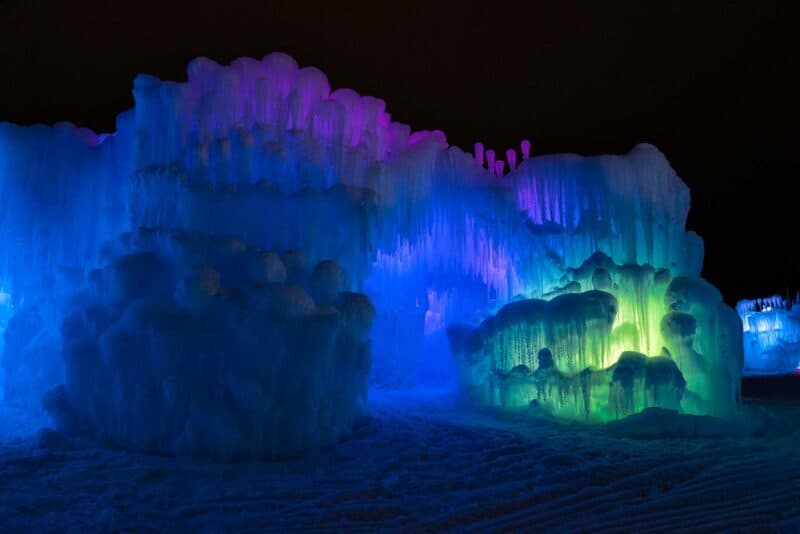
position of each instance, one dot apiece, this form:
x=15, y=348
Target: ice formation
x=771, y=334
x=583, y=352
x=210, y=346
x=582, y=258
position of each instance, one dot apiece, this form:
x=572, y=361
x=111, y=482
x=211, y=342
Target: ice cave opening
x=228, y=271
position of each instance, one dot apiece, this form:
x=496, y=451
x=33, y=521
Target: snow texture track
x=416, y=466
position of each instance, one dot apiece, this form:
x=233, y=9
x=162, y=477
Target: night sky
x=709, y=83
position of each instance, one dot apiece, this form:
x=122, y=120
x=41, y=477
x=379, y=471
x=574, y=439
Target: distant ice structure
x=771, y=335
x=438, y=239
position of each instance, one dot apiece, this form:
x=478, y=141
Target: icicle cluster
x=497, y=167
x=594, y=332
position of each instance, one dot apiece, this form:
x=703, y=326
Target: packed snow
x=423, y=461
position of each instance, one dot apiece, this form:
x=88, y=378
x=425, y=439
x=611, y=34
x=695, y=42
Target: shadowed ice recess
x=228, y=271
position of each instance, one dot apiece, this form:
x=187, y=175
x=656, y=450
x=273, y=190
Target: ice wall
x=260, y=148
x=208, y=346
x=59, y=196
x=267, y=152
x=61, y=193
x=771, y=335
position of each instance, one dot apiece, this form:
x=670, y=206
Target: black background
x=710, y=83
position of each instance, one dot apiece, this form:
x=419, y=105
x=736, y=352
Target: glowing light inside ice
x=569, y=260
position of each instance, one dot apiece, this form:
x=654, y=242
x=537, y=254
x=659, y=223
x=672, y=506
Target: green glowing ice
x=611, y=341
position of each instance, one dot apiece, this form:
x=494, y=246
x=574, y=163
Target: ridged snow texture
x=264, y=151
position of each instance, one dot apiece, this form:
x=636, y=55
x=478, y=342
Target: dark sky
x=709, y=83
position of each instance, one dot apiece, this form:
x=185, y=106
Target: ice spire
x=526, y=149
x=479, y=153
x=511, y=156
x=490, y=160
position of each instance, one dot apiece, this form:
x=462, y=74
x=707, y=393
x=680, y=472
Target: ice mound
x=660, y=423
x=771, y=335
x=188, y=344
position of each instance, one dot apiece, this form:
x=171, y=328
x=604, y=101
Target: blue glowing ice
x=264, y=152
x=771, y=335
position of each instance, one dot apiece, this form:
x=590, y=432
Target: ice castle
x=229, y=270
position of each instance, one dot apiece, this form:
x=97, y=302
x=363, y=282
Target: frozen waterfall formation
x=771, y=335
x=565, y=281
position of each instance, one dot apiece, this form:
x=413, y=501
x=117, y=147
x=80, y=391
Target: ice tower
x=563, y=280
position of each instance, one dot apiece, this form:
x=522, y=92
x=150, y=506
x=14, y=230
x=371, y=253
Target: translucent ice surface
x=585, y=258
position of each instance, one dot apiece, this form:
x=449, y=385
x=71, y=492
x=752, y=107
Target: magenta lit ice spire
x=479, y=153
x=499, y=168
x=511, y=156
x=526, y=149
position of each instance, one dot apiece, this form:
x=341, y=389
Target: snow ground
x=421, y=462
